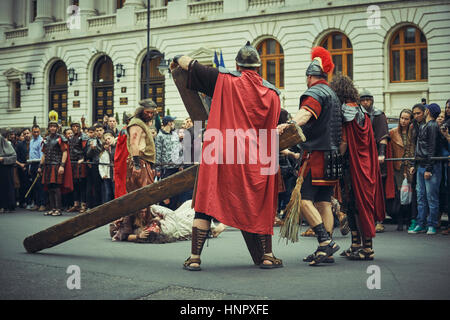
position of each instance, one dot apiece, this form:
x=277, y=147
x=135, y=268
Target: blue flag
x=216, y=60
x=222, y=64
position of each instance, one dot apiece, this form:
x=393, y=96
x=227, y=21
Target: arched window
x=408, y=55
x=155, y=91
x=272, y=62
x=103, y=89
x=341, y=51
x=58, y=90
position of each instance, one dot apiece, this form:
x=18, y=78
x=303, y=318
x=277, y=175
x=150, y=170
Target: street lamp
x=163, y=66
x=72, y=75
x=120, y=71
x=29, y=79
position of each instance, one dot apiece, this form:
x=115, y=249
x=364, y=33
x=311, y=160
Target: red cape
x=67, y=185
x=238, y=195
x=120, y=165
x=365, y=175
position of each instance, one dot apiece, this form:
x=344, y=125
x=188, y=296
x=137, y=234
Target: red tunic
x=239, y=195
x=120, y=165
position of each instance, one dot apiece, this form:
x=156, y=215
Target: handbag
x=405, y=193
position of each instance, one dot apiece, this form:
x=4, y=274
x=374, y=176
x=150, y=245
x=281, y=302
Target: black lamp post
x=147, y=57
x=29, y=80
x=72, y=75
x=120, y=71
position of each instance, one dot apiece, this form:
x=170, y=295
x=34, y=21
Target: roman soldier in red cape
x=320, y=118
x=77, y=149
x=55, y=166
x=361, y=184
x=235, y=184
x=120, y=161
x=382, y=138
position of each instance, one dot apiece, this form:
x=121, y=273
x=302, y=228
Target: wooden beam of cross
x=134, y=201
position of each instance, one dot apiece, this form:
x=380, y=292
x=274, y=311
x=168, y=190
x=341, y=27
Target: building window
x=156, y=86
x=58, y=91
x=341, y=51
x=120, y=4
x=408, y=55
x=16, y=93
x=103, y=89
x=272, y=62
x=33, y=10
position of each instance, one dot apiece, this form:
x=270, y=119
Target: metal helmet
x=248, y=57
x=315, y=69
x=147, y=103
x=365, y=94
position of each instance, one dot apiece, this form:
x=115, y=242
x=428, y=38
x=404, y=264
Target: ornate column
x=44, y=11
x=137, y=4
x=87, y=7
x=6, y=15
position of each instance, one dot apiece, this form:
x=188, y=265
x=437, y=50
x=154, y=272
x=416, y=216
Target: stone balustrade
x=205, y=7
x=16, y=33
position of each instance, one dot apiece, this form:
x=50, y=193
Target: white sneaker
x=431, y=230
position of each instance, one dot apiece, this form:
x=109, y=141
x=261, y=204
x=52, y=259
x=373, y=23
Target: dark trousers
x=174, y=200
x=38, y=193
x=7, y=193
x=107, y=190
x=24, y=186
x=94, y=185
x=414, y=197
x=79, y=190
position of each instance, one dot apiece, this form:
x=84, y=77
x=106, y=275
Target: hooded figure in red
x=363, y=199
x=237, y=180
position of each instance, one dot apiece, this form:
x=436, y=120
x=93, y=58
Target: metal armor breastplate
x=325, y=132
x=52, y=151
x=76, y=148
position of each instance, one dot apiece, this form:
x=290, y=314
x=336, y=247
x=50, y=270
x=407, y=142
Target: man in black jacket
x=428, y=172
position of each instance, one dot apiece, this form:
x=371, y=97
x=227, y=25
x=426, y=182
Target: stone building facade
x=69, y=55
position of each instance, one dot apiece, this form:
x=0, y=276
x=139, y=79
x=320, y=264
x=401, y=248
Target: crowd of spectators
x=92, y=150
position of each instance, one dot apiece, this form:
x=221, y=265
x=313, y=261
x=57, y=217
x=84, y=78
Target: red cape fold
x=238, y=195
x=67, y=185
x=120, y=165
x=365, y=175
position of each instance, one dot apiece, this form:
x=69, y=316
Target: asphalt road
x=405, y=267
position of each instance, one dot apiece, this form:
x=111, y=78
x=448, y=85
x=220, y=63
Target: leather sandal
x=276, y=263
x=324, y=252
x=189, y=261
x=56, y=213
x=349, y=251
x=49, y=213
x=362, y=254
x=310, y=258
